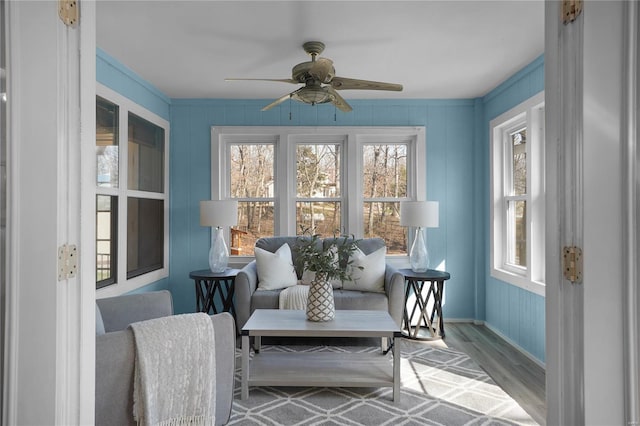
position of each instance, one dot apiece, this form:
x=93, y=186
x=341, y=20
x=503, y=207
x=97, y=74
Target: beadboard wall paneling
x=450, y=177
x=517, y=314
x=118, y=77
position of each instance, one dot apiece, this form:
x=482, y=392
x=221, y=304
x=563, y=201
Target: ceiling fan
x=320, y=81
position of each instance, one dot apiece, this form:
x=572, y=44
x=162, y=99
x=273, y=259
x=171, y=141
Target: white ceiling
x=436, y=49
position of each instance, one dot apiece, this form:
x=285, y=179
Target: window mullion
x=123, y=174
x=353, y=205
x=285, y=178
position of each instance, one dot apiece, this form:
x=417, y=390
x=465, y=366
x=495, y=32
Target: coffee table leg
x=396, y=370
x=244, y=386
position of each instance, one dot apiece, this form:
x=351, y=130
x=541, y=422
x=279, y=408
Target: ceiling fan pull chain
x=335, y=113
x=290, y=107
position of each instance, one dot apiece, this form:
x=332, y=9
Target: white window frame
x=285, y=140
x=529, y=114
x=126, y=106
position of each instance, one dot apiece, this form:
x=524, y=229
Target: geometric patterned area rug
x=439, y=386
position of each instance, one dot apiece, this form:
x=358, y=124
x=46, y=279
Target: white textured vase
x=320, y=303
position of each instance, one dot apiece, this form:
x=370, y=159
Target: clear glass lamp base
x=218, y=254
x=419, y=256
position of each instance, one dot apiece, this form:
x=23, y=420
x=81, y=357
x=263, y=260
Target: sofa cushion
x=118, y=312
x=362, y=300
x=275, y=270
x=344, y=299
x=371, y=276
x=266, y=299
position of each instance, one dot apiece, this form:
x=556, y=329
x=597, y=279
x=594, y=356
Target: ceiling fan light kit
x=320, y=81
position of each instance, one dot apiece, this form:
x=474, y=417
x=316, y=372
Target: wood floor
x=516, y=374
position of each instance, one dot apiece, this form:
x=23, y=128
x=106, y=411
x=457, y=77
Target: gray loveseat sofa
x=247, y=299
x=115, y=354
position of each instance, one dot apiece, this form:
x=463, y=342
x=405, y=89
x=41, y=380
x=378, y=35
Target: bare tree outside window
x=326, y=180
x=107, y=153
x=517, y=208
x=318, y=188
x=384, y=181
x=252, y=184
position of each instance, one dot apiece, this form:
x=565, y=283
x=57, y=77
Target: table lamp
x=422, y=214
x=218, y=213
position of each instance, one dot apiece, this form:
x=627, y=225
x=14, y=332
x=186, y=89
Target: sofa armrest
x=115, y=356
x=120, y=311
x=225, y=340
x=246, y=283
x=394, y=288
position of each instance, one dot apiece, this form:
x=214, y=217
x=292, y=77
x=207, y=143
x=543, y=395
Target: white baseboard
x=500, y=335
x=459, y=320
x=516, y=346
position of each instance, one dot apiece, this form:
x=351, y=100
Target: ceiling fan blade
x=341, y=83
x=322, y=70
x=280, y=80
x=279, y=101
x=338, y=100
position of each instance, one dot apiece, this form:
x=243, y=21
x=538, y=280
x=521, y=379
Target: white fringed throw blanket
x=294, y=297
x=174, y=374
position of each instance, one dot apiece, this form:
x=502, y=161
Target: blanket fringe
x=188, y=421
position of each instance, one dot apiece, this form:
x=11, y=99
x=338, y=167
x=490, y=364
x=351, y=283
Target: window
x=517, y=193
x=328, y=180
x=131, y=194
x=384, y=178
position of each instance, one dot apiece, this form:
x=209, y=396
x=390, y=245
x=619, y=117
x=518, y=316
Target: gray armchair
x=115, y=354
x=247, y=299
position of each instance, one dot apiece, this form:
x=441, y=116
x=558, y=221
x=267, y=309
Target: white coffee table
x=324, y=369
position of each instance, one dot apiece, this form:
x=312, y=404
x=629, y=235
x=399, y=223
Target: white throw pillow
x=371, y=278
x=275, y=270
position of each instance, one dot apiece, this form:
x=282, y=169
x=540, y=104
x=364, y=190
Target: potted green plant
x=327, y=264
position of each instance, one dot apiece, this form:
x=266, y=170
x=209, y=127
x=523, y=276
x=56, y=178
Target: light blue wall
x=517, y=314
x=451, y=173
x=119, y=78
x=457, y=134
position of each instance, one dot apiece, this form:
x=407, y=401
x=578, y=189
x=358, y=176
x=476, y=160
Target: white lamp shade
x=422, y=214
x=218, y=213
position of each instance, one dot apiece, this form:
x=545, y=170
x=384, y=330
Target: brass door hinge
x=68, y=12
x=571, y=9
x=572, y=265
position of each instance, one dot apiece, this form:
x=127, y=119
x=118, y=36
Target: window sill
x=521, y=281
x=132, y=284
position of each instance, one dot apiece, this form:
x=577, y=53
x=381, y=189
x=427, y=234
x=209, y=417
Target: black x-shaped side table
x=416, y=282
x=208, y=284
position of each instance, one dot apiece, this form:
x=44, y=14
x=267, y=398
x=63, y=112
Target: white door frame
x=50, y=347
x=631, y=210
x=591, y=74
x=563, y=149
